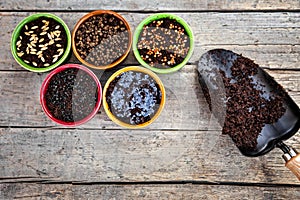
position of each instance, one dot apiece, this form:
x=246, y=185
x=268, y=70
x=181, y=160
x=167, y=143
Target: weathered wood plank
x=270, y=38
x=70, y=192
x=133, y=155
x=185, y=108
x=128, y=5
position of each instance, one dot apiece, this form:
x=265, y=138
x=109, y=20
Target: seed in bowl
x=163, y=43
x=41, y=42
x=133, y=97
x=102, y=39
x=71, y=95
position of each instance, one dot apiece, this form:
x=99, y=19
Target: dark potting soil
x=42, y=42
x=71, y=95
x=163, y=43
x=102, y=39
x=248, y=107
x=133, y=97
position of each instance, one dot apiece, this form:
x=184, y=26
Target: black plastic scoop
x=252, y=108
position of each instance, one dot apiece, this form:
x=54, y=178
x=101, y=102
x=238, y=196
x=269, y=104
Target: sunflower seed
x=20, y=54
x=54, y=60
x=51, y=42
x=19, y=43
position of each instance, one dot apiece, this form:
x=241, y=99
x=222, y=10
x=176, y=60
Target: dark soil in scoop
x=248, y=106
x=71, y=95
x=133, y=97
x=163, y=43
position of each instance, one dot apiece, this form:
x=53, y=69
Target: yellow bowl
x=137, y=69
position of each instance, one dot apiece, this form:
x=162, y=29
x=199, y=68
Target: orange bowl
x=95, y=13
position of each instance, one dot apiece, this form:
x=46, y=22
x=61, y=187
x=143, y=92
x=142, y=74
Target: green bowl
x=147, y=21
x=16, y=35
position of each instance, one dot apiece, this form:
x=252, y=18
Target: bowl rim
x=16, y=34
x=158, y=16
x=94, y=13
x=45, y=86
x=142, y=70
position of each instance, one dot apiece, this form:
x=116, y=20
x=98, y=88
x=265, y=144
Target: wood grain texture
x=272, y=39
x=147, y=192
x=84, y=156
x=185, y=107
x=154, y=5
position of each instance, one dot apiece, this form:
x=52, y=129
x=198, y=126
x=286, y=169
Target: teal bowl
x=147, y=21
x=17, y=33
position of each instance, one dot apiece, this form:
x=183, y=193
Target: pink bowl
x=45, y=87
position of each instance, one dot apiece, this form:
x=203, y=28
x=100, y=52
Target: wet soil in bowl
x=102, y=39
x=133, y=97
x=163, y=43
x=71, y=95
x=42, y=42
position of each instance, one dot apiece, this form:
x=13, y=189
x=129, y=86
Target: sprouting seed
x=34, y=64
x=34, y=27
x=57, y=27
x=26, y=61
x=43, y=59
x=46, y=64
x=43, y=33
x=41, y=40
x=26, y=27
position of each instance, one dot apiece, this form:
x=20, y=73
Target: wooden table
x=182, y=155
